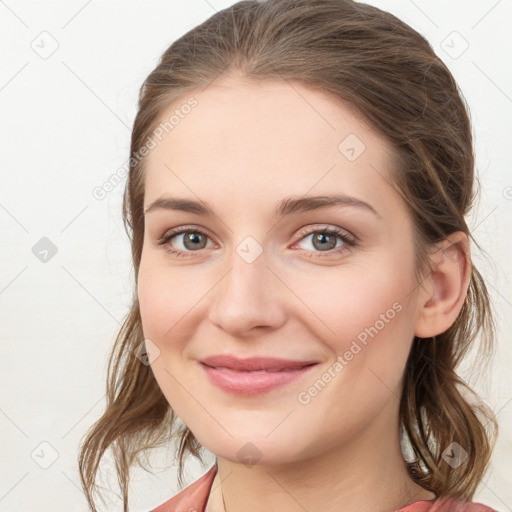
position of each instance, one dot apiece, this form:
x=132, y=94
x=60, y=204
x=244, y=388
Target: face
x=329, y=284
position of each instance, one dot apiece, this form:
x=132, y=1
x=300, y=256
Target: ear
x=445, y=288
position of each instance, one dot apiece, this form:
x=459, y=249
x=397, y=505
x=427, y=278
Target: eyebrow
x=286, y=207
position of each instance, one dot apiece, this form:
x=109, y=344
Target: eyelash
x=347, y=240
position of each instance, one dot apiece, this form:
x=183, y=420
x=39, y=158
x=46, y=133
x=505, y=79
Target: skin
x=244, y=148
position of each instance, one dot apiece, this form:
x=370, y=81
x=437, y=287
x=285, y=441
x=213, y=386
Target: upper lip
x=254, y=363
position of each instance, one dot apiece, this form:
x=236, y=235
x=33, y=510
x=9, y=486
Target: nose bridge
x=246, y=296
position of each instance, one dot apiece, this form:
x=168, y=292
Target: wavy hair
x=392, y=76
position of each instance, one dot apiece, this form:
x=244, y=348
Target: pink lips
x=236, y=375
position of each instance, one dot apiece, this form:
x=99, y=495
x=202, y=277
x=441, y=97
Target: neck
x=365, y=473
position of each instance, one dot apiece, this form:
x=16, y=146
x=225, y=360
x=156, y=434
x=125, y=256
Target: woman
x=299, y=178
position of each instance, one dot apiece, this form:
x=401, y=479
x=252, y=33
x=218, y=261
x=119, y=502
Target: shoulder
x=192, y=498
x=446, y=504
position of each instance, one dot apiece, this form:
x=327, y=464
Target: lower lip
x=250, y=384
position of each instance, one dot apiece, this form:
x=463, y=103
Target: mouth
x=253, y=376
x=255, y=364
x=257, y=371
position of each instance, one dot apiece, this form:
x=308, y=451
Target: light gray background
x=66, y=120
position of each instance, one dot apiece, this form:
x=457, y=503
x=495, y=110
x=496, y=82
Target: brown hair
x=391, y=75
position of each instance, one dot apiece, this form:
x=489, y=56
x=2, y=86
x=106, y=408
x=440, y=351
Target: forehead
x=266, y=138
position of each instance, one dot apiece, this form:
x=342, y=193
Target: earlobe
x=441, y=301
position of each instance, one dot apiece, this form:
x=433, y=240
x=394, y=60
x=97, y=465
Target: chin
x=254, y=449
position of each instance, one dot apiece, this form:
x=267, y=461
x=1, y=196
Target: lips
x=255, y=375
x=254, y=364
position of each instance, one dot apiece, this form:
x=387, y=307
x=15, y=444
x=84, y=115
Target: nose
x=249, y=298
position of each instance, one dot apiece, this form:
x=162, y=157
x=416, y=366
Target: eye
x=324, y=241
x=190, y=239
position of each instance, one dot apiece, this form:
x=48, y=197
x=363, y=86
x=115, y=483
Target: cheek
x=170, y=306
x=371, y=321
x=364, y=318
x=352, y=301
x=170, y=302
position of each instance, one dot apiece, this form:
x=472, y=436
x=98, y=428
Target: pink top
x=194, y=497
